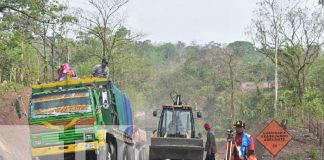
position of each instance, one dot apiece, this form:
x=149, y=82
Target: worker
x=210, y=146
x=175, y=127
x=101, y=70
x=65, y=70
x=243, y=143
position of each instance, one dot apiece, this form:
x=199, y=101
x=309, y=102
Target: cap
x=207, y=125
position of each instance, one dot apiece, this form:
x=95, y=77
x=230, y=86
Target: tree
x=321, y=2
x=295, y=33
x=268, y=23
x=21, y=7
x=230, y=59
x=241, y=48
x=104, y=22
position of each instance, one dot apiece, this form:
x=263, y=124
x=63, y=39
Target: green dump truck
x=88, y=118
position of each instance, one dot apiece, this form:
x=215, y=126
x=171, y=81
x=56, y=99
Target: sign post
x=274, y=138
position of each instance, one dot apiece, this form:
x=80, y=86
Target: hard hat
x=239, y=123
x=207, y=125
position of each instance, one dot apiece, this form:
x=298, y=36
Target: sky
x=201, y=21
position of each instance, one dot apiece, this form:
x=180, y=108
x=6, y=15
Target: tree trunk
x=275, y=23
x=44, y=50
x=0, y=75
x=301, y=93
x=21, y=76
x=232, y=89
x=104, y=47
x=52, y=60
x=276, y=81
x=113, y=70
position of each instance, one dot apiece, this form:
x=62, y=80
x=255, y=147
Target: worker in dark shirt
x=210, y=146
x=101, y=70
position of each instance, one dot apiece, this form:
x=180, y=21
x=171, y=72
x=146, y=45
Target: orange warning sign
x=274, y=138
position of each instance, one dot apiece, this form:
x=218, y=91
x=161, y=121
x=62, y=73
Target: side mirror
x=154, y=113
x=105, y=103
x=18, y=107
x=199, y=115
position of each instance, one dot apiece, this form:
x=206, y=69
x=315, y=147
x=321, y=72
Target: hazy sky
x=202, y=21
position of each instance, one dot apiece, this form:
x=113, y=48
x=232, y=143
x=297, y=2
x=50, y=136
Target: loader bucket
x=176, y=148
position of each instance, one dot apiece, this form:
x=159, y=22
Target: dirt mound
x=8, y=100
x=14, y=132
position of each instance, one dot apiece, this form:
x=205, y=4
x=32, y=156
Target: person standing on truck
x=101, y=70
x=210, y=146
x=64, y=71
x=243, y=143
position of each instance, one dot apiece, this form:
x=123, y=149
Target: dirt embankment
x=14, y=132
x=8, y=100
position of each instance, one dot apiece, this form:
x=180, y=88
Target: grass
x=313, y=152
x=293, y=157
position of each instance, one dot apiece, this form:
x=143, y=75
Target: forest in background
x=225, y=81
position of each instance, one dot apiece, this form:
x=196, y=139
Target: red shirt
x=238, y=141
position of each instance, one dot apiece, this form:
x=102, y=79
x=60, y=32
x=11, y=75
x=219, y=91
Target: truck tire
x=128, y=153
x=125, y=154
x=112, y=150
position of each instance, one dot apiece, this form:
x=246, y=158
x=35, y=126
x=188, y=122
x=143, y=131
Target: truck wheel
x=128, y=154
x=112, y=150
x=125, y=157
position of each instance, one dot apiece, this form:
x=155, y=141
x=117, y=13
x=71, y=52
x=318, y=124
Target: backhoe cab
x=175, y=137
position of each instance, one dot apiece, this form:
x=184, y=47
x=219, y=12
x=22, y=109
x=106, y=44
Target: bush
x=294, y=157
x=9, y=86
x=313, y=103
x=313, y=152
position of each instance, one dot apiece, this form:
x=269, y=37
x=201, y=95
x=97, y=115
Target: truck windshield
x=176, y=123
x=60, y=103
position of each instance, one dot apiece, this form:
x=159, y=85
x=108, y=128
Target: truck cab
x=176, y=121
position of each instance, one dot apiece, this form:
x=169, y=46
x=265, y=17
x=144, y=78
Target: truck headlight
x=89, y=136
x=38, y=142
x=102, y=135
x=90, y=145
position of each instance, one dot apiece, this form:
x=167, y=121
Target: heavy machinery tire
x=113, y=151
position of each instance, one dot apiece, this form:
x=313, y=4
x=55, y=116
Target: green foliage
x=293, y=157
x=316, y=75
x=242, y=48
x=287, y=98
x=314, y=104
x=313, y=152
x=255, y=107
x=5, y=87
x=149, y=72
